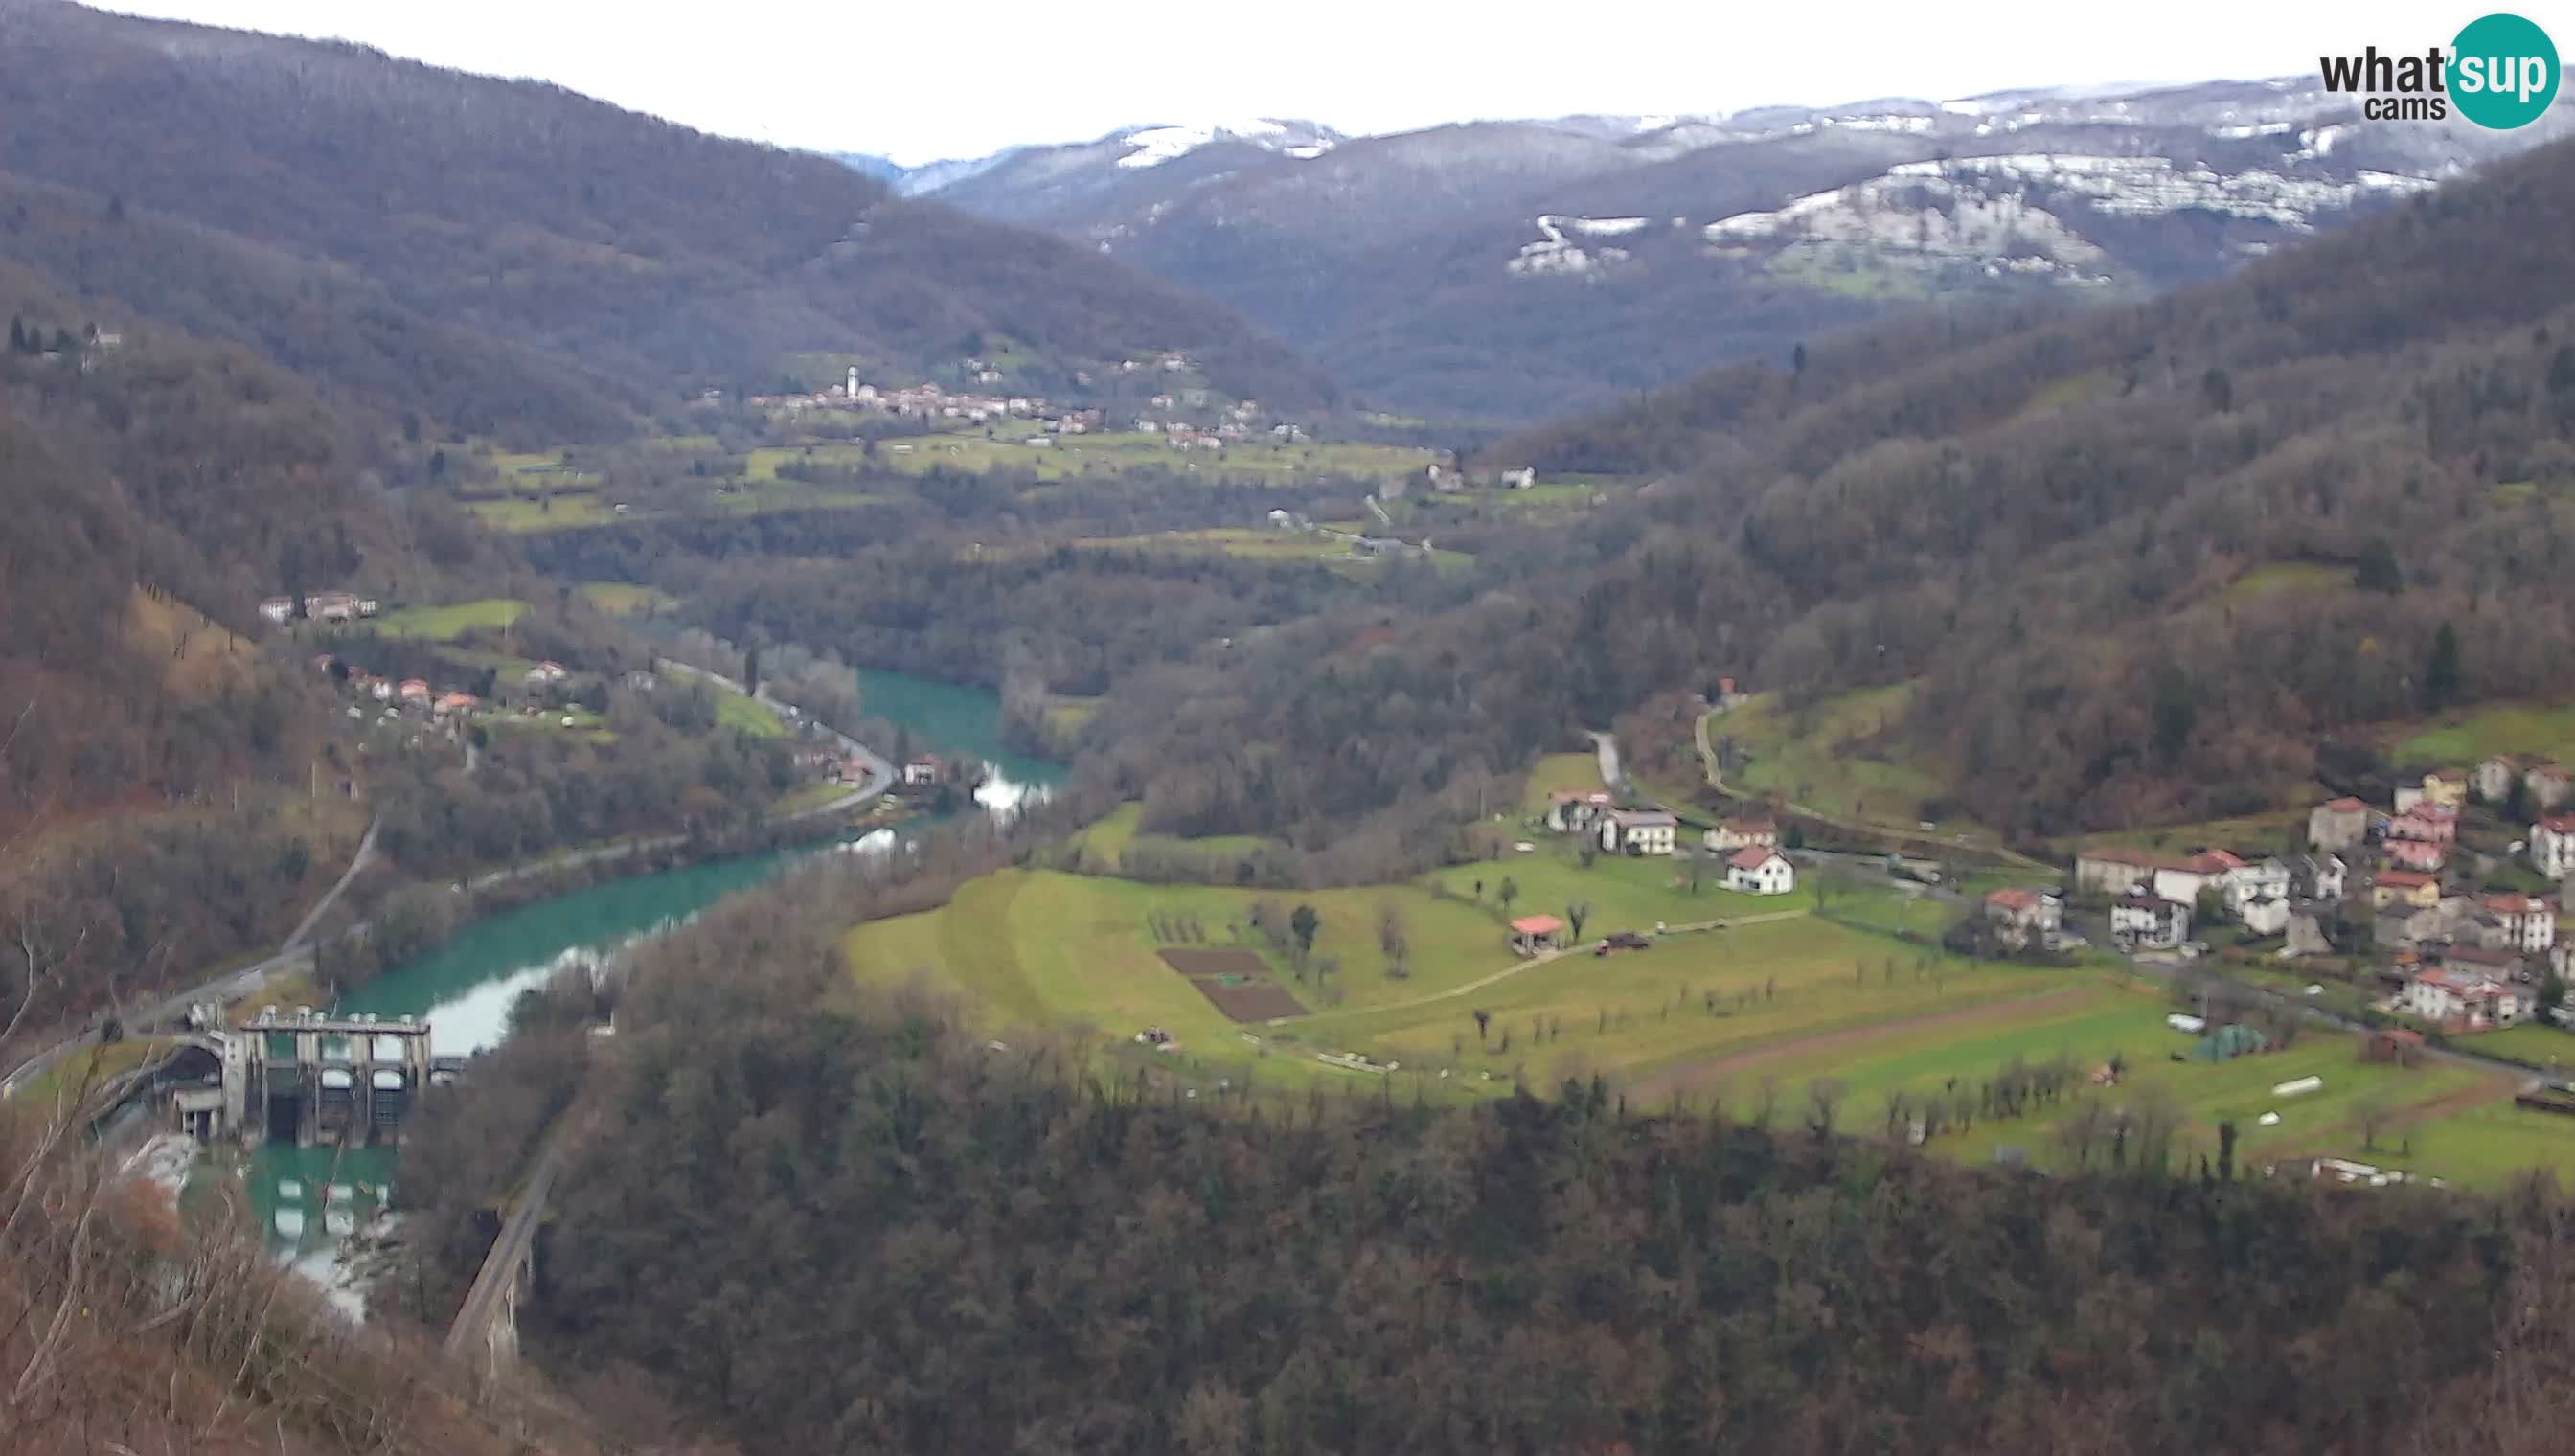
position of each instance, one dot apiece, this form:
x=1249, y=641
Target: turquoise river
x=310, y=1199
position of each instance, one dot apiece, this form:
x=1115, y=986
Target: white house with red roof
x=2529, y=922
x=2461, y=998
x=2021, y=916
x=2552, y=846
x=1760, y=869
x=2183, y=880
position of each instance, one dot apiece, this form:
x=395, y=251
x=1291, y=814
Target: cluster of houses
x=1750, y=845
x=410, y=696
x=320, y=607
x=416, y=697
x=932, y=403
x=2456, y=957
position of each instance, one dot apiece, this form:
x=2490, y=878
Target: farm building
x=1533, y=933
x=1638, y=831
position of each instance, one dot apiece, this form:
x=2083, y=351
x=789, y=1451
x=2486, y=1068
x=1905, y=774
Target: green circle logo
x=2503, y=72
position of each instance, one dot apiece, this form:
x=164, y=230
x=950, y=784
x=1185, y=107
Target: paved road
x=1608, y=748
x=241, y=984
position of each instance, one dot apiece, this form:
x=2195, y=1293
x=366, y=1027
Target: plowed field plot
x=1236, y=982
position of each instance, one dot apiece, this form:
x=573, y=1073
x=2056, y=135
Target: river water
x=310, y=1199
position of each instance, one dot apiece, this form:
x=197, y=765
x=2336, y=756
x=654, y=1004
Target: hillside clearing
x=447, y=624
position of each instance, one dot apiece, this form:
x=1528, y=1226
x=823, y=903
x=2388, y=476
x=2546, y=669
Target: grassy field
x=1763, y=1008
x=2272, y=832
x=2277, y=579
x=1555, y=771
x=550, y=513
x=1819, y=756
x=447, y=624
x=2539, y=1045
x=1111, y=837
x=2485, y=1147
x=1117, y=452
x=2460, y=739
x=2096, y=1017
x=1668, y=1018
x=1068, y=714
x=1246, y=542
x=1038, y=947
x=1623, y=893
x=619, y=599
x=747, y=714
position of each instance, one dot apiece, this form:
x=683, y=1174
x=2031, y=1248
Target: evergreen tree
x=1302, y=924
x=17, y=335
x=2377, y=570
x=2441, y=673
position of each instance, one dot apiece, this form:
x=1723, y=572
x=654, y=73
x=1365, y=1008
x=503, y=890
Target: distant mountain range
x=1523, y=268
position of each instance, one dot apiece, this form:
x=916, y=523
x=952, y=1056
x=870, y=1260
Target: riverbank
x=526, y=925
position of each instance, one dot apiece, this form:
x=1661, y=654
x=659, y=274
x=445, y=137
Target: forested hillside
x=2045, y=526
x=507, y=255
x=156, y=490
x=867, y=1231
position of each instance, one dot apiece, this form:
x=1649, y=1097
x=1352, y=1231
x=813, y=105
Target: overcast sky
x=923, y=81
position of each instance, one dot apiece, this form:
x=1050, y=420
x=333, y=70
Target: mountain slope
x=1523, y=268
x=2048, y=529
x=643, y=257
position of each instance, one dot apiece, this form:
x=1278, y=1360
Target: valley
x=1881, y=775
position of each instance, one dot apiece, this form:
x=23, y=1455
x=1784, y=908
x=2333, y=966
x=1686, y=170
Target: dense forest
x=863, y=1231
x=2039, y=522
x=508, y=257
